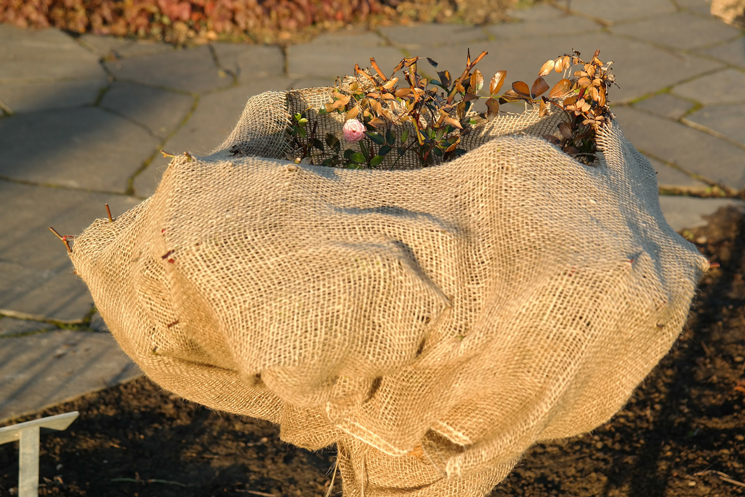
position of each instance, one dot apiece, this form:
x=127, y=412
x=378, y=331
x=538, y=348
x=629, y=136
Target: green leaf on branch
x=390, y=137
x=333, y=142
x=404, y=136
x=376, y=160
x=318, y=144
x=384, y=150
x=376, y=137
x=358, y=158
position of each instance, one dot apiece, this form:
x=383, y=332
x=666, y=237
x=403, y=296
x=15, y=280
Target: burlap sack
x=434, y=323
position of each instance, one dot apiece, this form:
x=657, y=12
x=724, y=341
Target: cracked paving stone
x=726, y=120
x=670, y=177
x=249, y=62
x=333, y=56
x=190, y=70
x=209, y=125
x=679, y=30
x=731, y=53
x=86, y=148
x=421, y=36
x=44, y=55
x=38, y=96
x=10, y=326
x=727, y=86
x=38, y=277
x=665, y=105
x=613, y=11
x=687, y=148
x=39, y=371
x=640, y=68
x=160, y=111
x=684, y=213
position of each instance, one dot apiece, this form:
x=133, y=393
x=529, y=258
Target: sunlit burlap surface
x=434, y=322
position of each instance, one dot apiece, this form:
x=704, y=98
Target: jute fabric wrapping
x=435, y=323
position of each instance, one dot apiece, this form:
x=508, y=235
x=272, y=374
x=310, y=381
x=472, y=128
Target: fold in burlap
x=435, y=322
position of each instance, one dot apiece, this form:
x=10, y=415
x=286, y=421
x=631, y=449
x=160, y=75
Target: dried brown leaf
x=492, y=108
x=547, y=67
x=477, y=82
x=353, y=112
x=453, y=122
x=445, y=78
x=539, y=87
x=521, y=88
x=561, y=89
x=496, y=82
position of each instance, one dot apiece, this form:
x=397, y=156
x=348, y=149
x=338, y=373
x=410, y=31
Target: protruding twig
x=713, y=264
x=64, y=239
x=108, y=212
x=167, y=154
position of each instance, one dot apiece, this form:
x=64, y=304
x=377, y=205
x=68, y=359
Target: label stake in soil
x=28, y=450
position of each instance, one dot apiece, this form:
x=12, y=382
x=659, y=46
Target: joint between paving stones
x=59, y=187
x=146, y=163
x=709, y=131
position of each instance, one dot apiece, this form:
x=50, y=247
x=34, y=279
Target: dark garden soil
x=681, y=434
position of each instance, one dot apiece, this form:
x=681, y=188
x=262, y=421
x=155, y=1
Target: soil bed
x=681, y=434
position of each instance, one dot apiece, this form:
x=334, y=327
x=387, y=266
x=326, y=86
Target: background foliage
x=263, y=21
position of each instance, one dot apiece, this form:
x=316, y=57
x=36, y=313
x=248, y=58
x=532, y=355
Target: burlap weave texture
x=434, y=322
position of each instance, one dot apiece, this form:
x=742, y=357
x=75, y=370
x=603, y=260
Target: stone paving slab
x=160, y=111
x=38, y=96
x=731, y=53
x=669, y=177
x=41, y=370
x=724, y=120
x=726, y=86
x=122, y=48
x=665, y=105
x=689, y=149
x=10, y=327
x=317, y=60
x=679, y=30
x=249, y=62
x=37, y=274
x=44, y=55
x=702, y=7
x=562, y=25
x=683, y=213
x=207, y=128
x=427, y=36
x=86, y=148
x=190, y=70
x=618, y=11
x=540, y=12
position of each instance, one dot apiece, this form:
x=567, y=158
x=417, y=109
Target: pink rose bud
x=354, y=130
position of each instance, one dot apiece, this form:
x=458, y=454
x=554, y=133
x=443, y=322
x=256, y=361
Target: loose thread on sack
x=65, y=239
